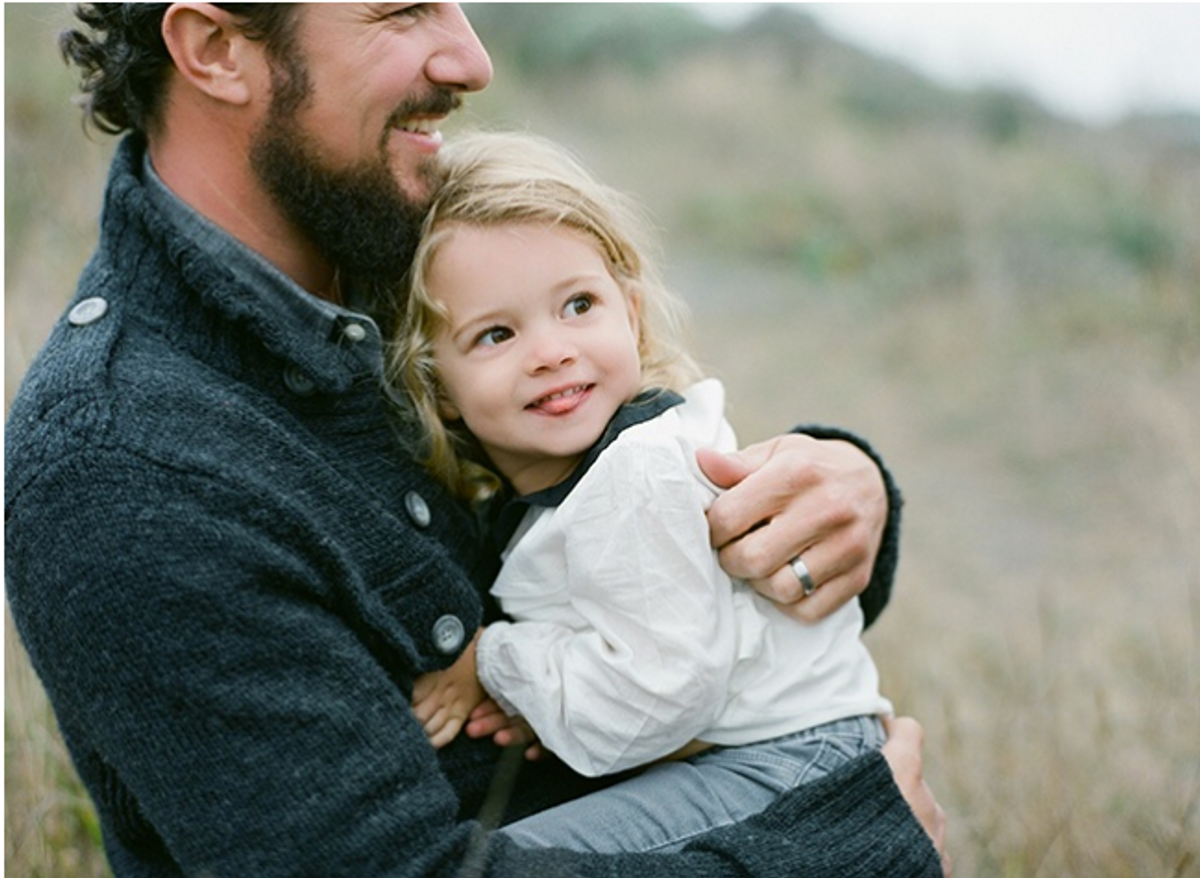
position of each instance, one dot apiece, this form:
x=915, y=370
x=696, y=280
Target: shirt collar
x=510, y=509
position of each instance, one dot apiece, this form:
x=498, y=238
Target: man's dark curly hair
x=124, y=62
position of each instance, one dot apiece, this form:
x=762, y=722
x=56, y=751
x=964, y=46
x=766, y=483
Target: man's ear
x=211, y=52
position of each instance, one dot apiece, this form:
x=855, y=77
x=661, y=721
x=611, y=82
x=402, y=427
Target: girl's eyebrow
x=584, y=277
x=474, y=322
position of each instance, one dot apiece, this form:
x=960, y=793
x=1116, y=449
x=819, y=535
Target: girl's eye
x=580, y=304
x=494, y=336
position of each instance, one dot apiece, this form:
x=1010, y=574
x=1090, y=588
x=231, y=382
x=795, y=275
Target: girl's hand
x=443, y=700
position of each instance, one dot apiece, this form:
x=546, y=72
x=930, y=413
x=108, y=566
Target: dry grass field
x=1006, y=305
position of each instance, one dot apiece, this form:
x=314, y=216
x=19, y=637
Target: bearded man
x=226, y=568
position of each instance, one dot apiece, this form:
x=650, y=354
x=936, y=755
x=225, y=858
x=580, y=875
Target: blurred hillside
x=770, y=142
x=1006, y=303
x=774, y=142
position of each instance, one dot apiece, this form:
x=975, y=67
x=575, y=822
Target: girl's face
x=540, y=349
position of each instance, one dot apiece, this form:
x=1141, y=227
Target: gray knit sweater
x=227, y=574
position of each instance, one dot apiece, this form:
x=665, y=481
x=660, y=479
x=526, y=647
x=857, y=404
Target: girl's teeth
x=561, y=394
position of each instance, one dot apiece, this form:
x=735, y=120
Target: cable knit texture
x=228, y=574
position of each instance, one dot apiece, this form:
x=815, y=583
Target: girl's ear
x=633, y=307
x=211, y=52
x=447, y=410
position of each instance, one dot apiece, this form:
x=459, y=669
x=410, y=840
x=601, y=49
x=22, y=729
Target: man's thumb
x=723, y=470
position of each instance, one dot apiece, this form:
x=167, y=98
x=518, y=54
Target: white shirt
x=629, y=641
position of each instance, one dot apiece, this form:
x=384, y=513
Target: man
x=225, y=568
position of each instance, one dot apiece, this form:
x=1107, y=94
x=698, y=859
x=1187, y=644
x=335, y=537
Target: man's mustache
x=439, y=102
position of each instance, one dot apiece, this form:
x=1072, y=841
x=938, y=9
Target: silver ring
x=806, y=581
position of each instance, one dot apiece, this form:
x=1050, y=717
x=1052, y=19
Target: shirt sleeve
x=641, y=664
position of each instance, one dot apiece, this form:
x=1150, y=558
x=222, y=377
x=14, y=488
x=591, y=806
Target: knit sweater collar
x=229, y=278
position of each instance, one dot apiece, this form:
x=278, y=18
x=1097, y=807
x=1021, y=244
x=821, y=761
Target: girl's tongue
x=561, y=403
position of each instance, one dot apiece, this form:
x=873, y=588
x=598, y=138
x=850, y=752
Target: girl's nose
x=550, y=350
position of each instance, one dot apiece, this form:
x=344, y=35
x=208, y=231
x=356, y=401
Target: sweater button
x=87, y=311
x=418, y=509
x=354, y=332
x=448, y=634
x=297, y=382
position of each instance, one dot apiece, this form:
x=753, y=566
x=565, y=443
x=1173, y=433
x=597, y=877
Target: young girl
x=543, y=356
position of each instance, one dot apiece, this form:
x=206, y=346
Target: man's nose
x=461, y=62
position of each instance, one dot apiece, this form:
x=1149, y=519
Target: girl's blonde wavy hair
x=496, y=179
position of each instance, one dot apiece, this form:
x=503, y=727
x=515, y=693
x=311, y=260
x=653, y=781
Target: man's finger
x=903, y=753
x=744, y=517
x=829, y=597
x=488, y=724
x=723, y=470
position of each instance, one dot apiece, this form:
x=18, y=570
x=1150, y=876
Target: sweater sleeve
x=230, y=721
x=850, y=822
x=879, y=589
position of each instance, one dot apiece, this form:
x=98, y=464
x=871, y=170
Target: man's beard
x=359, y=216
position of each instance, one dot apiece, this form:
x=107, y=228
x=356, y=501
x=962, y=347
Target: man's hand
x=489, y=719
x=443, y=700
x=823, y=500
x=903, y=754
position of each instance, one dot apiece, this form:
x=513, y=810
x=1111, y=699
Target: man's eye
x=410, y=11
x=494, y=336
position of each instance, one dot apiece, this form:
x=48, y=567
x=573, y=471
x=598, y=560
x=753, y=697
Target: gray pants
x=670, y=803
